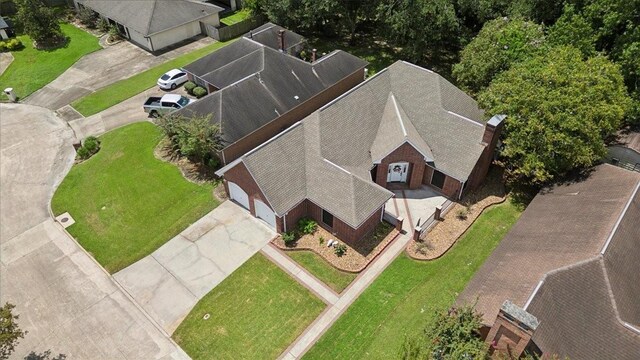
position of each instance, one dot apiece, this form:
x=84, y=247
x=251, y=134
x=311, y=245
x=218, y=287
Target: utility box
x=10, y=94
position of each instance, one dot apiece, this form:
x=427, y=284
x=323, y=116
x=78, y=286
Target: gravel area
x=356, y=259
x=435, y=242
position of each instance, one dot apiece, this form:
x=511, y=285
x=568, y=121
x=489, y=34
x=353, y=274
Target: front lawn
x=254, y=314
x=334, y=278
x=32, y=69
x=126, y=203
x=403, y=299
x=122, y=90
x=236, y=17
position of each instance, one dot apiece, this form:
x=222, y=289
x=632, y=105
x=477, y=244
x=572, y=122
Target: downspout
x=461, y=187
x=284, y=219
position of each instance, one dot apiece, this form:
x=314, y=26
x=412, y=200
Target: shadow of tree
x=44, y=356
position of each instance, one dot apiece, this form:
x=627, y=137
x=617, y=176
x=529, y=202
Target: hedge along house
x=156, y=24
x=258, y=91
x=406, y=126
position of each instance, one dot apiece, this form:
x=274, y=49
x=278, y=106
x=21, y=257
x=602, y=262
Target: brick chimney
x=492, y=130
x=281, y=40
x=512, y=331
x=314, y=53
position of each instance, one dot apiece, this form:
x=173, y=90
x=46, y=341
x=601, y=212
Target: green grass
x=377, y=53
x=32, y=69
x=126, y=203
x=122, y=90
x=255, y=314
x=320, y=268
x=236, y=17
x=403, y=299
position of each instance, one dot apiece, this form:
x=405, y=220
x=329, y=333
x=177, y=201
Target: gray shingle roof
x=328, y=156
x=559, y=239
x=3, y=23
x=258, y=84
x=267, y=35
x=152, y=16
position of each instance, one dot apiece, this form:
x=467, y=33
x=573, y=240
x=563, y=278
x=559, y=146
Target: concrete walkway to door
x=169, y=282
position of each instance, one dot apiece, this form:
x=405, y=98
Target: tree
x=10, y=332
x=560, y=108
x=39, y=22
x=501, y=43
x=422, y=27
x=573, y=29
x=196, y=138
x=453, y=334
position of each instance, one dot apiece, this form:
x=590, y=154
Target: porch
x=415, y=206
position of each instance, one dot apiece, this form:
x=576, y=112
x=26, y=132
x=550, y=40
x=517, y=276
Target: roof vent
x=297, y=97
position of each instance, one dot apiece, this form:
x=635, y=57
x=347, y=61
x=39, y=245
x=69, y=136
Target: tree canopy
x=501, y=43
x=39, y=22
x=560, y=108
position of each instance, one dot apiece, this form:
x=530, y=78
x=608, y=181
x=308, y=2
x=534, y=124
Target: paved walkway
x=6, y=59
x=301, y=275
x=311, y=335
x=102, y=68
x=169, y=282
x=66, y=301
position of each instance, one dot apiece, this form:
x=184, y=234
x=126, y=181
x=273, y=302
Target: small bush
x=199, y=92
x=103, y=25
x=87, y=17
x=462, y=214
x=340, y=250
x=114, y=33
x=92, y=144
x=10, y=45
x=321, y=240
x=289, y=238
x=307, y=226
x=189, y=86
x=83, y=153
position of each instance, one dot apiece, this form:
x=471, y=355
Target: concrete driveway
x=66, y=302
x=170, y=281
x=102, y=68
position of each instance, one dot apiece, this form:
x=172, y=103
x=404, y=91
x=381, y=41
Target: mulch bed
x=355, y=259
x=193, y=172
x=440, y=238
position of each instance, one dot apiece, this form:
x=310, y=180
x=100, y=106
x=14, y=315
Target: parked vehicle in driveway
x=172, y=79
x=156, y=105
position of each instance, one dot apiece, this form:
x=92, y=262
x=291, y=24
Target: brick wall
x=241, y=176
x=295, y=214
x=490, y=137
x=341, y=230
x=451, y=187
x=269, y=130
x=405, y=153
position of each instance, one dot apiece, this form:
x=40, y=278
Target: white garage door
x=265, y=213
x=236, y=193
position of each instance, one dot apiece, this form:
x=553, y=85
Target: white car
x=172, y=79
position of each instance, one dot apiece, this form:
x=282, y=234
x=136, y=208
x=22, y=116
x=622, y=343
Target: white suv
x=172, y=79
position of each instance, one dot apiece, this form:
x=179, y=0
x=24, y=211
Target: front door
x=398, y=172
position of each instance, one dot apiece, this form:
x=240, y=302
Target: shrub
x=307, y=226
x=199, y=92
x=340, y=250
x=87, y=17
x=83, y=153
x=3, y=46
x=92, y=144
x=462, y=214
x=10, y=45
x=196, y=138
x=289, y=238
x=321, y=240
x=114, y=33
x=189, y=86
x=103, y=25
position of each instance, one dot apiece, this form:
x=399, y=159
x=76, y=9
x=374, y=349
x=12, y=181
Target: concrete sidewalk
x=169, y=282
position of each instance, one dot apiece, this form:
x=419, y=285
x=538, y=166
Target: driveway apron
x=169, y=282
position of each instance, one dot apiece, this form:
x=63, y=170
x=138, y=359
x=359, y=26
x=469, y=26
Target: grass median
x=122, y=90
x=320, y=268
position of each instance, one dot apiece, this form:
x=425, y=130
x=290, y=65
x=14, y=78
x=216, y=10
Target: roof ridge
x=232, y=63
x=153, y=10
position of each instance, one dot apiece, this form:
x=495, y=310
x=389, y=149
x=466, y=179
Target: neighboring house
x=6, y=31
x=156, y=24
x=258, y=91
x=277, y=37
x=406, y=126
x=572, y=261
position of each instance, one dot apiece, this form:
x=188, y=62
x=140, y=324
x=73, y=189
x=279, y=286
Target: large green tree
x=572, y=28
x=10, y=332
x=39, y=22
x=560, y=108
x=501, y=43
x=453, y=334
